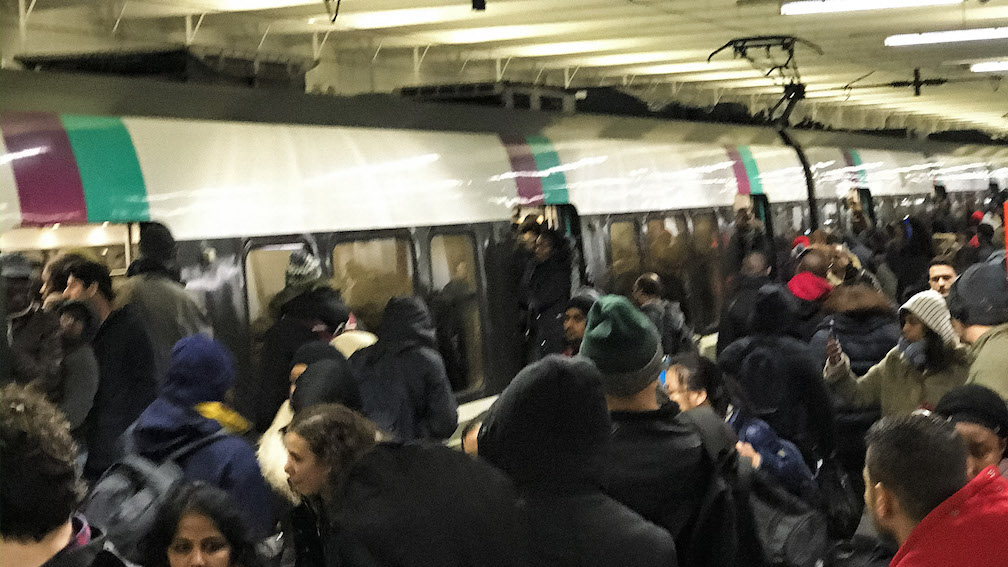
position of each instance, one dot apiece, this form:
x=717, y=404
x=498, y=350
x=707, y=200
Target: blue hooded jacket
x=202, y=370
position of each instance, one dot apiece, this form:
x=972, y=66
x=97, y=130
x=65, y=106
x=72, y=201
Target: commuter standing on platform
x=42, y=489
x=810, y=288
x=33, y=334
x=978, y=301
x=917, y=492
x=154, y=289
x=402, y=379
x=80, y=368
x=747, y=237
x=549, y=431
x=738, y=308
x=127, y=381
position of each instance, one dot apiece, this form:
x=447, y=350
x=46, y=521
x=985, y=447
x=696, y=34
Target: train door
x=265, y=268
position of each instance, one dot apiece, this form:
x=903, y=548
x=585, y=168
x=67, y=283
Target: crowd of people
x=852, y=413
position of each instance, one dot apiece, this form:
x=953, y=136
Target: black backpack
x=127, y=498
x=769, y=526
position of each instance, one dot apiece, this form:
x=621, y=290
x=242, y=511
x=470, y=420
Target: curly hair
x=212, y=502
x=338, y=437
x=39, y=487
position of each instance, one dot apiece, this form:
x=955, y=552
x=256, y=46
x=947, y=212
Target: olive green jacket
x=990, y=360
x=895, y=385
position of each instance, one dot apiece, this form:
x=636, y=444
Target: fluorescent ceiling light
x=950, y=36
x=834, y=6
x=989, y=66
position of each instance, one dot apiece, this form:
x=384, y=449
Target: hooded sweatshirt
x=780, y=376
x=970, y=529
x=809, y=291
x=79, y=368
x=402, y=378
x=202, y=370
x=549, y=431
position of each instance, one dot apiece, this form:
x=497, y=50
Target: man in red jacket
x=917, y=491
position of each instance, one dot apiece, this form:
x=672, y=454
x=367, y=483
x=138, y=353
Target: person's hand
x=746, y=450
x=833, y=351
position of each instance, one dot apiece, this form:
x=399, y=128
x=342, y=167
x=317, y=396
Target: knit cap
x=977, y=404
x=980, y=295
x=623, y=343
x=302, y=268
x=930, y=307
x=15, y=266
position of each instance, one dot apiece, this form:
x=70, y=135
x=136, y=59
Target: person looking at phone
x=925, y=364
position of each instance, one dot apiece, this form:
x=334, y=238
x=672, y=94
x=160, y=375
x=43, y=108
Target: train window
x=370, y=272
x=705, y=271
x=264, y=275
x=626, y=256
x=455, y=308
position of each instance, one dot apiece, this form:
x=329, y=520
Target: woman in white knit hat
x=927, y=362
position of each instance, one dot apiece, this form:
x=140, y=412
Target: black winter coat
x=416, y=505
x=783, y=382
x=127, y=384
x=402, y=379
x=36, y=351
x=546, y=288
x=866, y=337
x=808, y=315
x=737, y=310
x=656, y=468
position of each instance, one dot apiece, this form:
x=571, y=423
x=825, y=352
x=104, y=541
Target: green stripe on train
x=114, y=187
x=555, y=184
x=752, y=170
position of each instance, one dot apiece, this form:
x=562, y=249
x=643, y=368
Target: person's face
x=913, y=328
x=198, y=543
x=742, y=218
x=528, y=241
x=18, y=293
x=574, y=324
x=543, y=248
x=296, y=371
x=676, y=390
x=307, y=475
x=77, y=291
x=840, y=259
x=940, y=278
x=983, y=447
x=71, y=326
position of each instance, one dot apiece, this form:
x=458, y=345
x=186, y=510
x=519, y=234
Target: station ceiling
x=655, y=49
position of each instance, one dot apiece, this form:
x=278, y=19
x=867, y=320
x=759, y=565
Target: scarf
x=913, y=352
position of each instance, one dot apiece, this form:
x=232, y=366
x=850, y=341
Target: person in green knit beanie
x=656, y=465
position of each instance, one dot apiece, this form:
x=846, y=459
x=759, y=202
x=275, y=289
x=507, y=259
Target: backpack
x=770, y=526
x=676, y=336
x=125, y=501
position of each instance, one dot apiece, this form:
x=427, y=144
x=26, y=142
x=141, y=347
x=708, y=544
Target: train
x=400, y=197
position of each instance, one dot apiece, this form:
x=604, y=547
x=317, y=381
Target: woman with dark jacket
x=188, y=409
x=909, y=255
x=402, y=378
x=376, y=502
x=549, y=431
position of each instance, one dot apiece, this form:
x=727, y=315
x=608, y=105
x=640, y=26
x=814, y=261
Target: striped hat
x=930, y=307
x=303, y=268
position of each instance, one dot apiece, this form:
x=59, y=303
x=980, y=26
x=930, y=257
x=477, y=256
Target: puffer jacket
x=402, y=378
x=864, y=321
x=550, y=432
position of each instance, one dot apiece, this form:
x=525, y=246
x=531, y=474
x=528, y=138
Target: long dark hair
x=937, y=353
x=211, y=502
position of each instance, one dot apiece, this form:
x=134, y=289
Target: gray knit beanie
x=930, y=307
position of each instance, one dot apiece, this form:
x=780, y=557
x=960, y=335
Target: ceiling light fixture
x=950, y=36
x=989, y=66
x=804, y=7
